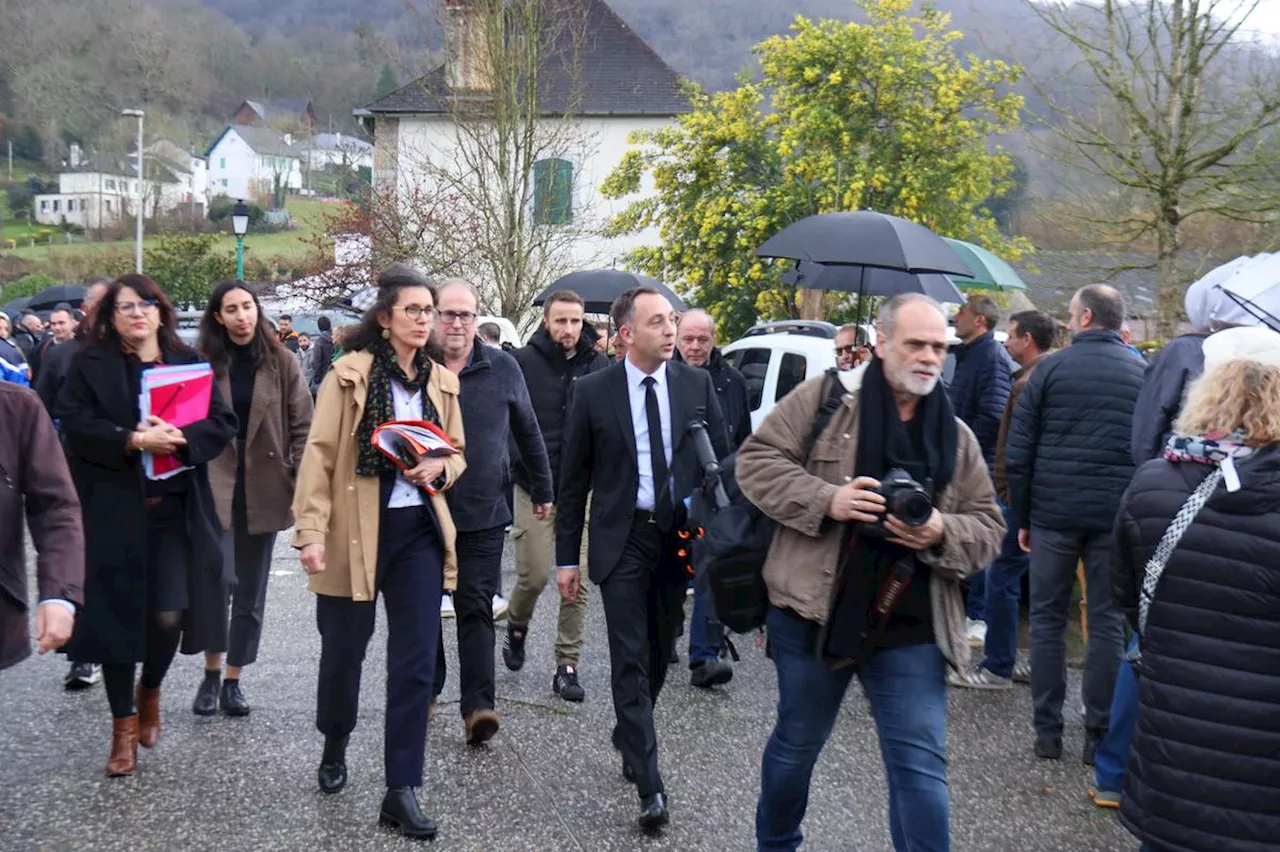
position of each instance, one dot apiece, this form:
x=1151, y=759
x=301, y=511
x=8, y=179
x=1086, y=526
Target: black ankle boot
x=401, y=813
x=332, y=774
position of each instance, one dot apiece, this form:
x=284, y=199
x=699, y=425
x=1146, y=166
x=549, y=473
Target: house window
x=44, y=206
x=222, y=162
x=110, y=208
x=57, y=205
x=224, y=183
x=111, y=184
x=552, y=192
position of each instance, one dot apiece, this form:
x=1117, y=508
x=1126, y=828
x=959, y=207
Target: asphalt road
x=548, y=781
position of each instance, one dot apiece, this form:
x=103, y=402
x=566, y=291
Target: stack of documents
x=407, y=442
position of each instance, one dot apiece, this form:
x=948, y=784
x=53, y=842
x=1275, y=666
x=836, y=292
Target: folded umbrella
x=866, y=238
x=599, y=288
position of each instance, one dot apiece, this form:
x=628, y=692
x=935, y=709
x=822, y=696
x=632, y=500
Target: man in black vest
x=627, y=443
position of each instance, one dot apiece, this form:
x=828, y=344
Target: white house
x=621, y=86
x=191, y=171
x=97, y=193
x=335, y=149
x=247, y=161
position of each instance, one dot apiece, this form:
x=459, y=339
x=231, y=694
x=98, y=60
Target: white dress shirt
x=646, y=495
x=408, y=406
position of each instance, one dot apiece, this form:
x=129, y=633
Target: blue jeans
x=1113, y=751
x=975, y=602
x=703, y=647
x=1004, y=589
x=908, y=697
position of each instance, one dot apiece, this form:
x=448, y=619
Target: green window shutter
x=552, y=192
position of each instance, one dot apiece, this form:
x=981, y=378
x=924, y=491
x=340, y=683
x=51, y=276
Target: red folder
x=179, y=396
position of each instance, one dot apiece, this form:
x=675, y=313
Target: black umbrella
x=15, y=307
x=873, y=281
x=866, y=238
x=600, y=287
x=50, y=297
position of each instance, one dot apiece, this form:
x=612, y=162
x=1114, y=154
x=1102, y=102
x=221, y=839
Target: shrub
x=220, y=210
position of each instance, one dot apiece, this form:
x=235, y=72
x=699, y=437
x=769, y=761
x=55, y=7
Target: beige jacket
x=279, y=419
x=800, y=569
x=335, y=507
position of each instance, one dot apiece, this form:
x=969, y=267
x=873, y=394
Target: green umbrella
x=990, y=272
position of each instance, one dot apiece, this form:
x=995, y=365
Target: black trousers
x=252, y=554
x=410, y=576
x=479, y=567
x=643, y=603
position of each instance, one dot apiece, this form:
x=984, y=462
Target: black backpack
x=729, y=557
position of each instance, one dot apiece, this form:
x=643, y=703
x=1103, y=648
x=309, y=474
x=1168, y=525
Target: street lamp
x=240, y=225
x=137, y=261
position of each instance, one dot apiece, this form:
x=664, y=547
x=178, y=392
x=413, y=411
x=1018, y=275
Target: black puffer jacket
x=550, y=378
x=1204, y=771
x=1067, y=457
x=979, y=390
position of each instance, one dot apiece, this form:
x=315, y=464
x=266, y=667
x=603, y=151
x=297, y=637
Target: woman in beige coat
x=364, y=528
x=253, y=479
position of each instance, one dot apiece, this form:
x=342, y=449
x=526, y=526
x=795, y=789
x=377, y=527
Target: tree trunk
x=811, y=304
x=1169, y=290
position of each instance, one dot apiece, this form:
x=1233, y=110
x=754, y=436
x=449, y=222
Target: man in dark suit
x=627, y=442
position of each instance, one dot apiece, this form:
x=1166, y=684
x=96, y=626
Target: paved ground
x=549, y=780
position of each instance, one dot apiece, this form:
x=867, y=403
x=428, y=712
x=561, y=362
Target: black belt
x=643, y=516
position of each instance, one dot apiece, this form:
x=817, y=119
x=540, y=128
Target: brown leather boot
x=124, y=747
x=148, y=701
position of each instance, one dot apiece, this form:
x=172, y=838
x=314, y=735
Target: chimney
x=75, y=156
x=288, y=139
x=465, y=46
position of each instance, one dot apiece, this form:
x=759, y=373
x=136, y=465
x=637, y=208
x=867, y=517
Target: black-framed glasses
x=145, y=306
x=416, y=312
x=464, y=317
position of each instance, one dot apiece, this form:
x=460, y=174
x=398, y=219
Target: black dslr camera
x=905, y=499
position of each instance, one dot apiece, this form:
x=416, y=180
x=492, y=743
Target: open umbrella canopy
x=15, y=307
x=872, y=281
x=990, y=272
x=50, y=297
x=600, y=287
x=1252, y=293
x=866, y=238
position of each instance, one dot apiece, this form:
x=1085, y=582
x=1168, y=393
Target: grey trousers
x=249, y=597
x=1054, y=555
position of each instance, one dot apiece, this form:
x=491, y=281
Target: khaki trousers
x=535, y=551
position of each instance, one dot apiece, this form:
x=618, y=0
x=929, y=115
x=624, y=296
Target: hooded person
x=1209, y=309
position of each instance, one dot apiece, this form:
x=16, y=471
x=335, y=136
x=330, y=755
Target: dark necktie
x=662, y=514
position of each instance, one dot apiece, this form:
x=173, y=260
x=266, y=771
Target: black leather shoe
x=206, y=703
x=653, y=812
x=711, y=673
x=513, y=646
x=1049, y=748
x=401, y=814
x=232, y=700
x=332, y=775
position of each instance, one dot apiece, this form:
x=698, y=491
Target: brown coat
x=279, y=419
x=1020, y=380
x=33, y=469
x=800, y=568
x=335, y=507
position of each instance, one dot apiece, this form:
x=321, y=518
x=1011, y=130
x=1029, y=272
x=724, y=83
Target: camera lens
x=913, y=508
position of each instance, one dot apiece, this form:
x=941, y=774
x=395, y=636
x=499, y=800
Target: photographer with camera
x=893, y=508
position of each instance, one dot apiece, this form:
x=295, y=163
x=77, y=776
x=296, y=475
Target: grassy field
x=308, y=217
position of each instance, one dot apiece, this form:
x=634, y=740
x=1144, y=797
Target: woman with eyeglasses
x=154, y=572
x=253, y=479
x=365, y=528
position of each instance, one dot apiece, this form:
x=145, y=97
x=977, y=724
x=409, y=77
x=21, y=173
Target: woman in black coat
x=154, y=568
x=1204, y=771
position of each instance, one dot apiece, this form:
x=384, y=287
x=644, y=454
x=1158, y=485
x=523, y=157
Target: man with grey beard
x=864, y=583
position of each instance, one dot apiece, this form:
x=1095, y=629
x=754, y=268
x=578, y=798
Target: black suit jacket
x=598, y=455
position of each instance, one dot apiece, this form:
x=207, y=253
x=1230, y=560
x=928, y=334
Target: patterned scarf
x=1211, y=449
x=379, y=404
